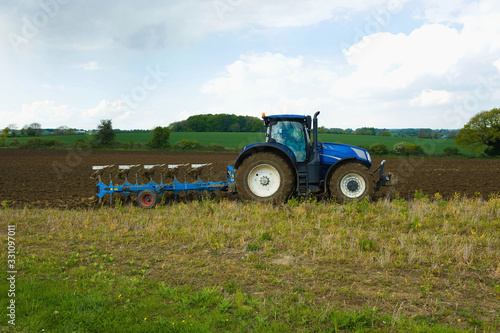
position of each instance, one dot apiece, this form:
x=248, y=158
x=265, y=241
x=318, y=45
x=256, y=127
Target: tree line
x=421, y=133
x=481, y=133
x=218, y=123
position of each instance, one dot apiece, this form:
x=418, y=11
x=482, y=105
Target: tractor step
x=302, y=183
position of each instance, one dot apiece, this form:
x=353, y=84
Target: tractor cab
x=291, y=131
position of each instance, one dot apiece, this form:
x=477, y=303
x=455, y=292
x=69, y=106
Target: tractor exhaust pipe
x=314, y=165
x=315, y=133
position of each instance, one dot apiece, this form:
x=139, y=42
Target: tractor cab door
x=291, y=134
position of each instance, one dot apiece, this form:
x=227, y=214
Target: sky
x=142, y=64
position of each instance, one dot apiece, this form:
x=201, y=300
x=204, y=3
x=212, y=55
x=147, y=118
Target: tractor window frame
x=301, y=152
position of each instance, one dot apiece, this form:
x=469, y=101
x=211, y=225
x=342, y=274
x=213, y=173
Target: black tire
x=352, y=181
x=265, y=177
x=147, y=199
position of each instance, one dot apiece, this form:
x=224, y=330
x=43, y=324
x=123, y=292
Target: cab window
x=290, y=134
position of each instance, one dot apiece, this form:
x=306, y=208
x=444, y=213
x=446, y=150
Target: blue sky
x=387, y=64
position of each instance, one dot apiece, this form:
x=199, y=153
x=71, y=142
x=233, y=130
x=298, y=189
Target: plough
x=148, y=194
x=289, y=162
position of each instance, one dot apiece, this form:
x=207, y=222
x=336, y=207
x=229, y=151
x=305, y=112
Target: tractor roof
x=287, y=117
x=280, y=116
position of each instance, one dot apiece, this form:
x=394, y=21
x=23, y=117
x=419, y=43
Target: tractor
x=288, y=163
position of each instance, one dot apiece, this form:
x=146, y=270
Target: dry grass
x=432, y=260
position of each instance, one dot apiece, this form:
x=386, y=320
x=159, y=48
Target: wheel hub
x=352, y=185
x=264, y=180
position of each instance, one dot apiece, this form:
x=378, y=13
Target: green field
x=431, y=146
x=426, y=265
x=239, y=140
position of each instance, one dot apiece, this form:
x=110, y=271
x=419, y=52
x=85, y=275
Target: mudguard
x=276, y=148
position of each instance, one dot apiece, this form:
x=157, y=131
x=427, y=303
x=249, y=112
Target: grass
x=431, y=146
x=425, y=265
x=239, y=140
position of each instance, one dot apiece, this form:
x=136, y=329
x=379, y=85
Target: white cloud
x=270, y=74
x=430, y=97
x=89, y=66
x=109, y=110
x=497, y=64
x=51, y=115
x=272, y=83
x=388, y=61
x=45, y=112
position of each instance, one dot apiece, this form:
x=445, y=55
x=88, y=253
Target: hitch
x=383, y=179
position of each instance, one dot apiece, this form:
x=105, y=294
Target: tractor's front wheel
x=147, y=199
x=265, y=177
x=351, y=182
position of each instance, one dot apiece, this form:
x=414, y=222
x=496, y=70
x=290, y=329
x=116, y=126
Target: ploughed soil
x=65, y=179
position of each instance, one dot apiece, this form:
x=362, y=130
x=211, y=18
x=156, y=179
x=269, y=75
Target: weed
x=419, y=195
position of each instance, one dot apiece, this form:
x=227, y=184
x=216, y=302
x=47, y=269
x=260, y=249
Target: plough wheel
x=147, y=199
x=265, y=177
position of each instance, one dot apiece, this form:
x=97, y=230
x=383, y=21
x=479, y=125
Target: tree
x=13, y=128
x=34, y=129
x=105, y=133
x=482, y=130
x=452, y=135
x=61, y=130
x=161, y=136
x=365, y=131
x=3, y=137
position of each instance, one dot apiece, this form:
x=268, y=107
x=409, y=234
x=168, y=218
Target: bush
x=14, y=143
x=414, y=149
x=451, y=151
x=407, y=148
x=41, y=143
x=82, y=144
x=188, y=145
x=378, y=149
x=216, y=147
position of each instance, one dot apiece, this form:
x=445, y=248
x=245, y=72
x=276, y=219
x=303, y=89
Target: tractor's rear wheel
x=147, y=199
x=265, y=177
x=352, y=181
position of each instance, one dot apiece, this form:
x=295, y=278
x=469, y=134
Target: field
x=60, y=178
x=239, y=140
x=419, y=262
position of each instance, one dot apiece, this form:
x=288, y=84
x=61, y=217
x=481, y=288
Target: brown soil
x=62, y=178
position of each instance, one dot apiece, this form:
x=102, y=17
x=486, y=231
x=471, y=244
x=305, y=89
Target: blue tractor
x=290, y=162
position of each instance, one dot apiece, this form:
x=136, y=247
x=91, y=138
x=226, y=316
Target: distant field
x=434, y=146
x=233, y=140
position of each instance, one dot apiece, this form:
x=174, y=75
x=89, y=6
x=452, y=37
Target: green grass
x=426, y=265
x=239, y=140
x=431, y=146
